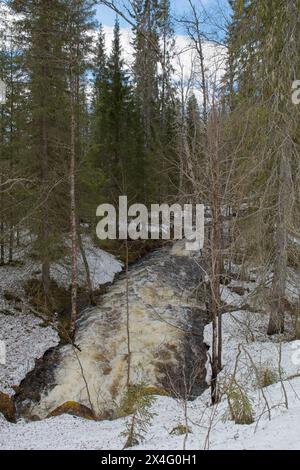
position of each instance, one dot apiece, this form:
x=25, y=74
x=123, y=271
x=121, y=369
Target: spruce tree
x=13, y=138
x=114, y=139
x=264, y=64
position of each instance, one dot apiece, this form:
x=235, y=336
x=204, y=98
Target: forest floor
x=274, y=409
x=260, y=381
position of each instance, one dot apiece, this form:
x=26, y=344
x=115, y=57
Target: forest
x=141, y=343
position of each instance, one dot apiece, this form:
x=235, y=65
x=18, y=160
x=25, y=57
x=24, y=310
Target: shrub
x=267, y=376
x=137, y=402
x=181, y=430
x=240, y=406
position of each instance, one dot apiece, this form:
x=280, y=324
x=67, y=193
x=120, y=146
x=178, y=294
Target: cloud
x=186, y=62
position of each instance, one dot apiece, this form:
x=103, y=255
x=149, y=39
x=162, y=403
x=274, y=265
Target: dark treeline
x=81, y=127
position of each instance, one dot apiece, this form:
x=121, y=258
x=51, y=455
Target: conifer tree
x=54, y=37
x=13, y=137
x=41, y=30
x=115, y=140
x=264, y=63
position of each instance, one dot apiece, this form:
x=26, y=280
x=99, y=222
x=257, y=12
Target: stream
x=167, y=316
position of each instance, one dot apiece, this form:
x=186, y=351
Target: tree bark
x=73, y=224
x=215, y=246
x=86, y=267
x=276, y=323
x=129, y=353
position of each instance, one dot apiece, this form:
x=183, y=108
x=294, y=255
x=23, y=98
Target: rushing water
x=166, y=320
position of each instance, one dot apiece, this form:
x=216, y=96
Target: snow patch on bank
x=103, y=267
x=25, y=341
x=23, y=334
x=248, y=349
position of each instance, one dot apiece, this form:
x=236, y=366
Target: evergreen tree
x=264, y=64
x=44, y=35
x=115, y=141
x=147, y=55
x=155, y=96
x=54, y=37
x=99, y=66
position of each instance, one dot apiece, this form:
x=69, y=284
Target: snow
x=211, y=427
x=244, y=335
x=25, y=341
x=247, y=353
x=103, y=267
x=230, y=298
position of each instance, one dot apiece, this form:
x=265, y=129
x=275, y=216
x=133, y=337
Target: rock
x=239, y=290
x=7, y=407
x=73, y=408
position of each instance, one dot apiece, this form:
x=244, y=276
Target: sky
x=214, y=55
x=179, y=8
x=185, y=61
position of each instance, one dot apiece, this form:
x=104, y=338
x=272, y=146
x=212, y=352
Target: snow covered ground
x=210, y=429
x=265, y=371
x=275, y=408
x=25, y=341
x=103, y=268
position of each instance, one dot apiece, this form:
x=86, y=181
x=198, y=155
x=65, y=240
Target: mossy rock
x=181, y=430
x=156, y=391
x=11, y=297
x=73, y=408
x=7, y=407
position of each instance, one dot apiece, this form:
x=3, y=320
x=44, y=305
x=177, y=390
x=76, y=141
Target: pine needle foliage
x=137, y=402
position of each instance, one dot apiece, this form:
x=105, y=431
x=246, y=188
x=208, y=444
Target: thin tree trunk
x=198, y=41
x=18, y=241
x=45, y=229
x=86, y=267
x=11, y=244
x=11, y=166
x=45, y=225
x=215, y=248
x=74, y=285
x=2, y=242
x=46, y=281
x=276, y=323
x=128, y=319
